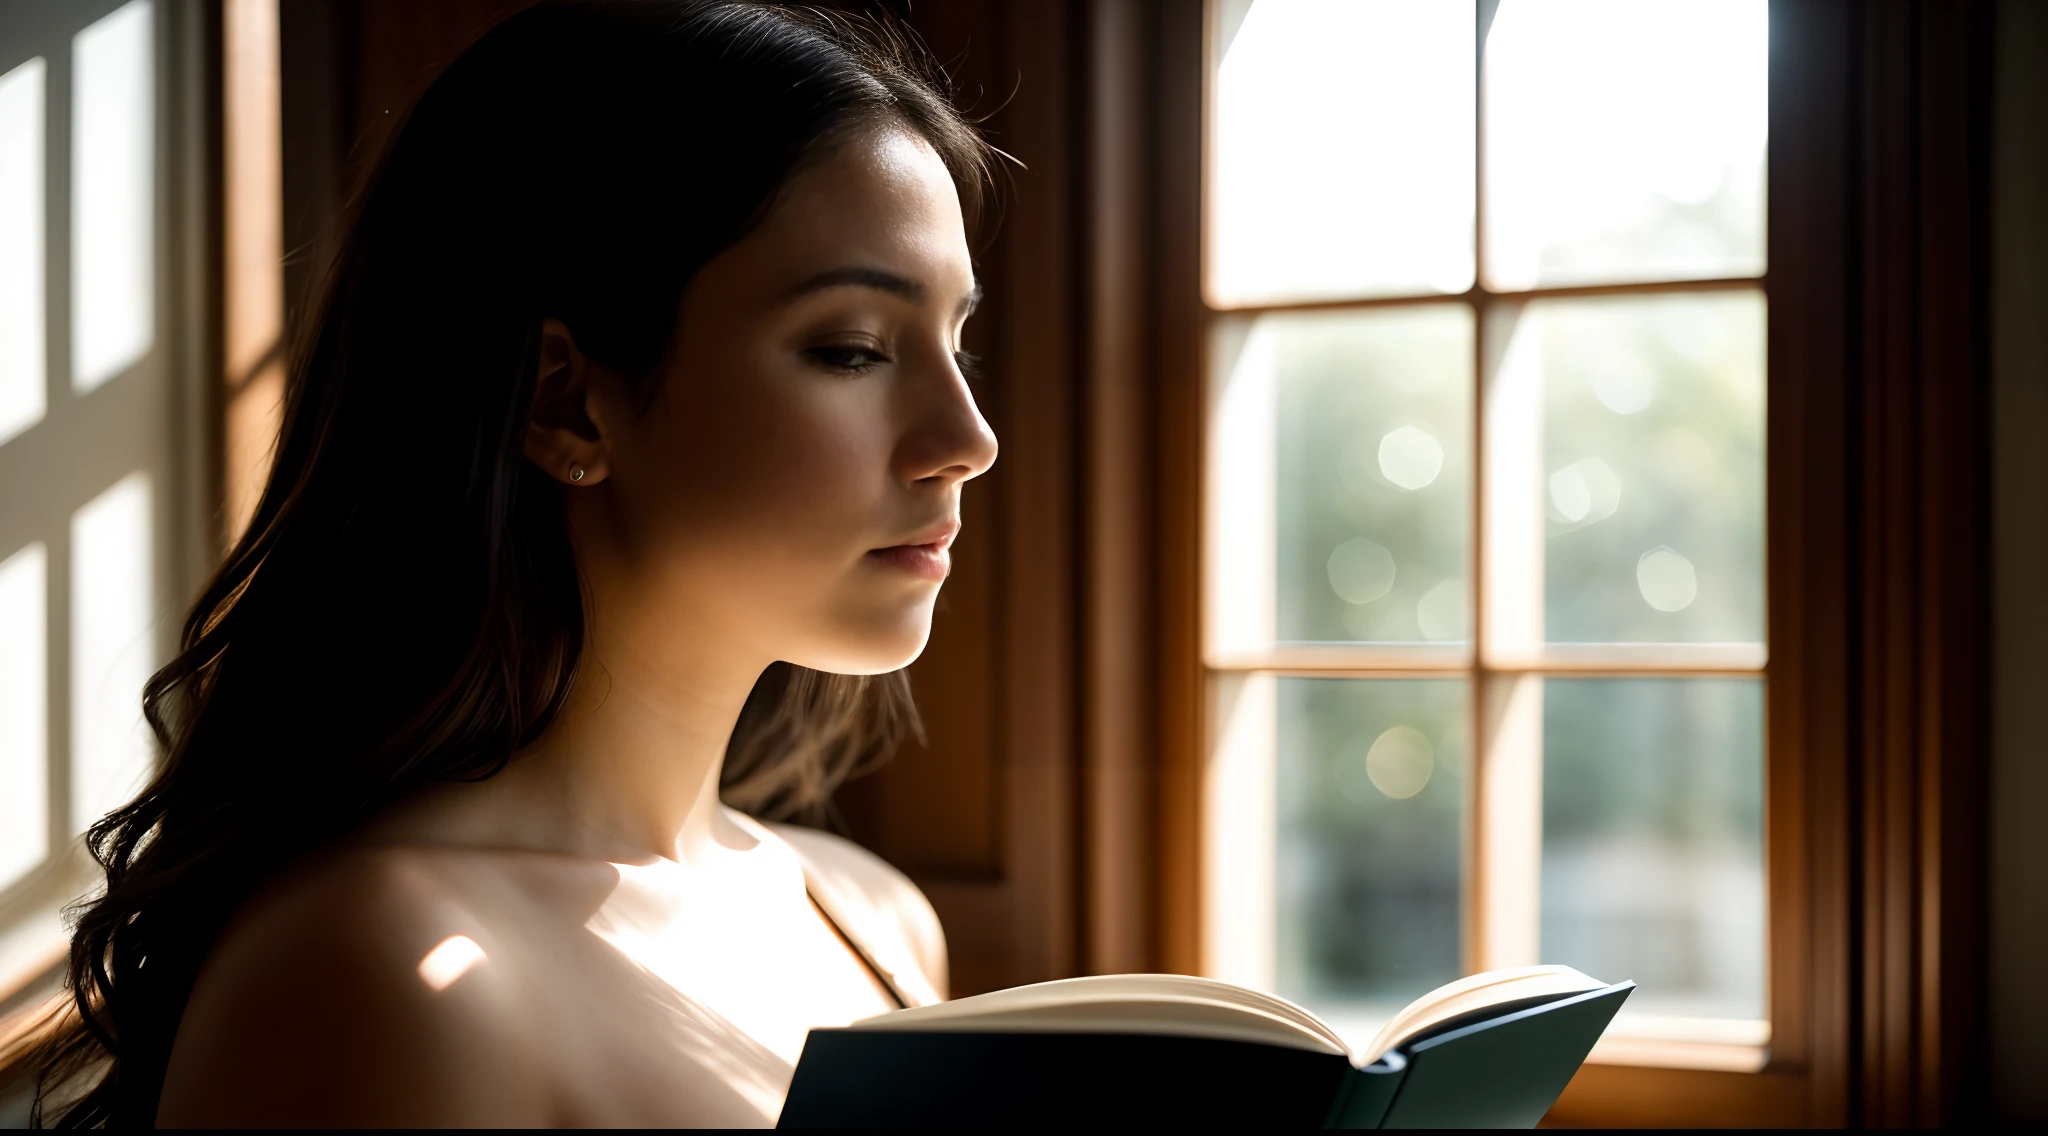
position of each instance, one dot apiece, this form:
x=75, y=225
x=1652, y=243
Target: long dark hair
x=405, y=607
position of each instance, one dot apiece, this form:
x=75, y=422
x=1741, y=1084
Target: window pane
x=24, y=753
x=1371, y=804
x=112, y=648
x=1649, y=470
x=1624, y=141
x=1341, y=149
x=1653, y=839
x=21, y=248
x=1351, y=431
x=113, y=198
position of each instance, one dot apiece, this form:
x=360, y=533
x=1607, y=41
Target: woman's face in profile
x=794, y=484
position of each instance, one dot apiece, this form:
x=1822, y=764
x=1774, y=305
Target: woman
x=630, y=433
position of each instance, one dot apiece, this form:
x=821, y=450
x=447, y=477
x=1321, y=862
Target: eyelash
x=837, y=359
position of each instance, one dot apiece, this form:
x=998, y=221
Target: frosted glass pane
x=112, y=648
x=24, y=711
x=1624, y=141
x=1653, y=845
x=1627, y=447
x=21, y=248
x=1651, y=482
x=1371, y=803
x=1342, y=150
x=1373, y=471
x=113, y=194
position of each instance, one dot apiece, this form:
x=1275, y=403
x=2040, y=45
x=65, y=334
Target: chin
x=870, y=646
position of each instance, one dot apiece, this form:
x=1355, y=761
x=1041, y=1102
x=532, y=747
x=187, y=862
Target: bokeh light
x=1585, y=492
x=1400, y=762
x=1444, y=614
x=1666, y=579
x=1652, y=420
x=1411, y=457
x=1368, y=905
x=1361, y=570
x=1367, y=434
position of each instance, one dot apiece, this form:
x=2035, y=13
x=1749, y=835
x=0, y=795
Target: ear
x=562, y=437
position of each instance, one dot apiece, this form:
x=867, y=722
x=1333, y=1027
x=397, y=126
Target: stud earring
x=576, y=473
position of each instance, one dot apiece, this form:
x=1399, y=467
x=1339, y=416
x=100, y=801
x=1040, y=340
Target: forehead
x=882, y=197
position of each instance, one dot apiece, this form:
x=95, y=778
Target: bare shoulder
x=350, y=991
x=861, y=879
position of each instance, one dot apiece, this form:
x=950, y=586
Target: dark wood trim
x=1616, y=1096
x=317, y=61
x=1016, y=646
x=1177, y=133
x=196, y=191
x=1038, y=625
x=1879, y=489
x=1118, y=738
x=1808, y=692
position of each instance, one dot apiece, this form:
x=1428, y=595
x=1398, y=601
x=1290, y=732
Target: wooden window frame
x=1501, y=853
x=1877, y=483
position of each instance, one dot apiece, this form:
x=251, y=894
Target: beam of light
x=456, y=956
x=113, y=194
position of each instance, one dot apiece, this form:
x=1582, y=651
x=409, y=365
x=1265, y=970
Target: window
x=1484, y=503
x=94, y=535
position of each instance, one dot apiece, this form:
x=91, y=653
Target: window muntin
x=1573, y=645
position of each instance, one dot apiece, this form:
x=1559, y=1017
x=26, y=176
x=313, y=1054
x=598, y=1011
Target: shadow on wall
x=2018, y=987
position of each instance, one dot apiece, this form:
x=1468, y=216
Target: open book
x=1491, y=1050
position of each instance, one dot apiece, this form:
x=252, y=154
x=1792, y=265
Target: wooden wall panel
x=1176, y=128
x=937, y=810
x=1878, y=533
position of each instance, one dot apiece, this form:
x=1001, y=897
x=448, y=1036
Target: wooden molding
x=1878, y=475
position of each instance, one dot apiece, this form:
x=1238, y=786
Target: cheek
x=768, y=478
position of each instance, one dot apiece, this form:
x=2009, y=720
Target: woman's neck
x=628, y=772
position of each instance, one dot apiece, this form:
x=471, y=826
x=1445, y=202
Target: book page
x=1475, y=992
x=1135, y=1003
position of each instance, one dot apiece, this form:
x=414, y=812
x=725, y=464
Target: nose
x=946, y=440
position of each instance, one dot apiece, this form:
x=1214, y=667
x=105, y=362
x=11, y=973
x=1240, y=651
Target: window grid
x=1472, y=661
x=101, y=510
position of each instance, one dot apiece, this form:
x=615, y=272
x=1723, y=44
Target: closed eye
x=846, y=359
x=969, y=364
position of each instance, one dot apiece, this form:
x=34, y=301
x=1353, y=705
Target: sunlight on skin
x=759, y=886
x=450, y=961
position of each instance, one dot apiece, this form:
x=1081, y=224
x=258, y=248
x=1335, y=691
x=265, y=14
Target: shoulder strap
x=820, y=899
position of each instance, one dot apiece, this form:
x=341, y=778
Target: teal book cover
x=1171, y=1057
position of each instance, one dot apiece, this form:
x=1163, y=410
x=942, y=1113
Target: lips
x=924, y=555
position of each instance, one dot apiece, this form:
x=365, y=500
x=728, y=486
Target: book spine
x=1362, y=1100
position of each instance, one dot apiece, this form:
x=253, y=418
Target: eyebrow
x=881, y=280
